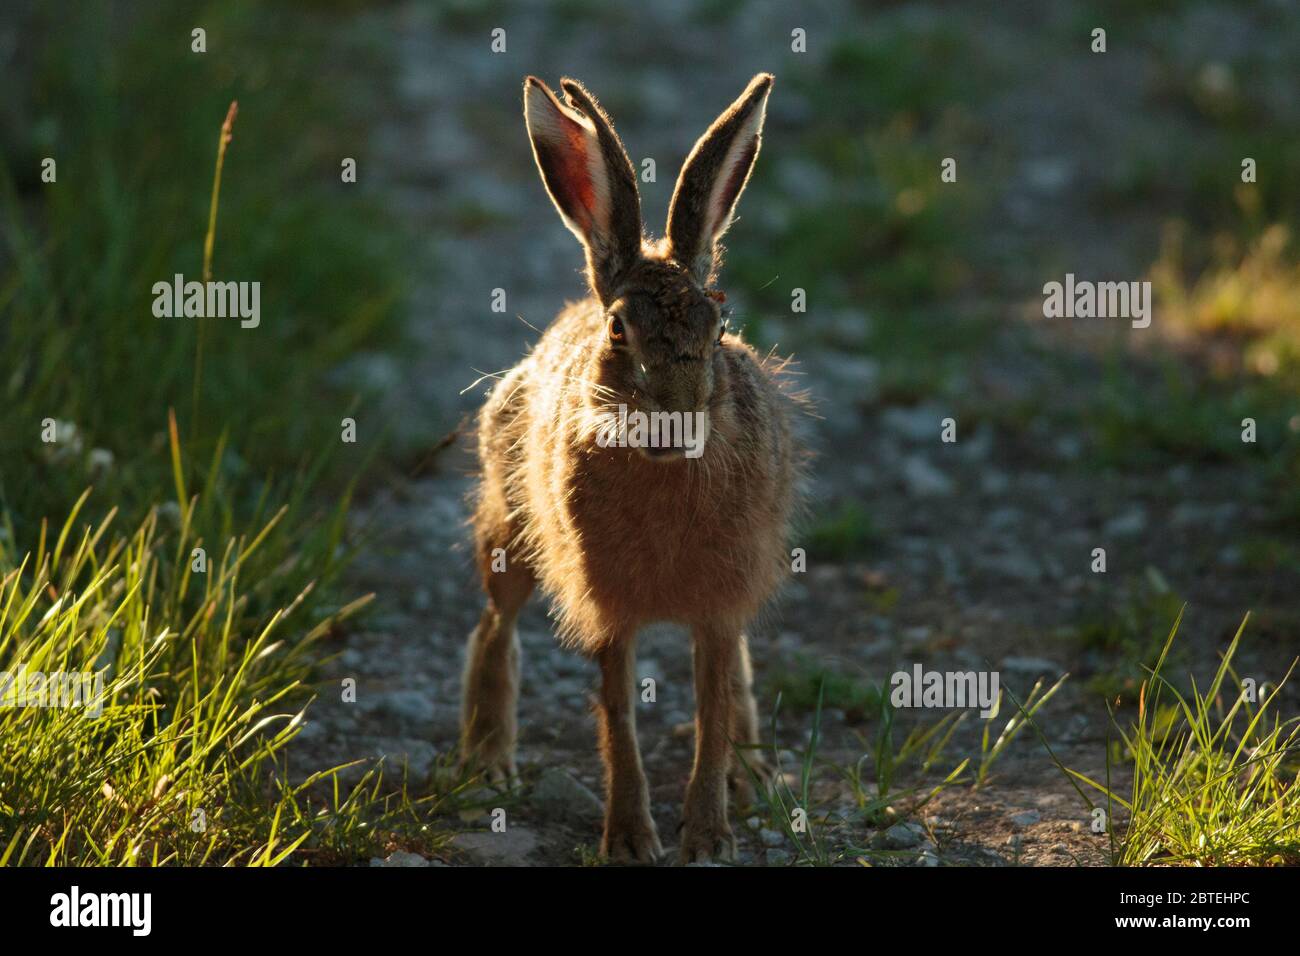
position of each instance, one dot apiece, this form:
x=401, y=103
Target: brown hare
x=620, y=536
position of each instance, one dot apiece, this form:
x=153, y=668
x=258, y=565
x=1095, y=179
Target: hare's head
x=662, y=345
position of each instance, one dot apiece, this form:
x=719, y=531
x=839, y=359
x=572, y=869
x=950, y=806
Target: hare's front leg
x=489, y=723
x=630, y=834
x=747, y=762
x=706, y=834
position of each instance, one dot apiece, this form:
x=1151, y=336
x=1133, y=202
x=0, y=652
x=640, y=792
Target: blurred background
x=924, y=302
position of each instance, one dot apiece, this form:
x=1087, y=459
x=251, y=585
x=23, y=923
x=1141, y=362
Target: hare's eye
x=616, y=331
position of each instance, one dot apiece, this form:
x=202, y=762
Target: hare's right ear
x=713, y=178
x=589, y=177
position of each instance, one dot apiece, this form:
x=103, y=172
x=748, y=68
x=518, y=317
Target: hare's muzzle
x=671, y=436
x=663, y=454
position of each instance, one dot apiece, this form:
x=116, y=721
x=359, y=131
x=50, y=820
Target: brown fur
x=618, y=539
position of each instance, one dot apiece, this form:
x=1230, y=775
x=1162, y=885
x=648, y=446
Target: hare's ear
x=589, y=177
x=712, y=179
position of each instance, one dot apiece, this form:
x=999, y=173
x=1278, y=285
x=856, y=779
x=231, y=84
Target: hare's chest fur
x=676, y=541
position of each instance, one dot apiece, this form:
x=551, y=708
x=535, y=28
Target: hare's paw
x=487, y=748
x=707, y=840
x=494, y=767
x=501, y=774
x=631, y=840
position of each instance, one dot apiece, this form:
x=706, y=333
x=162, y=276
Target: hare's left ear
x=589, y=176
x=712, y=179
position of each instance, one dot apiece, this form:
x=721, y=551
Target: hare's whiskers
x=483, y=375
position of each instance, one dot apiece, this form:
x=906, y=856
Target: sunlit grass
x=1215, y=773
x=203, y=686
x=1248, y=296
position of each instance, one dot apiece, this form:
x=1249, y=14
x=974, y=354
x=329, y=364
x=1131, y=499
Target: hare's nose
x=688, y=400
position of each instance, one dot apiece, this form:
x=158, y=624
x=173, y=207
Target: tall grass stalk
x=209, y=244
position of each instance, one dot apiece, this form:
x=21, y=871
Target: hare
x=618, y=536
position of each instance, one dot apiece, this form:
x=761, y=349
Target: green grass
x=130, y=208
x=1124, y=634
x=1234, y=318
x=811, y=683
x=899, y=68
x=791, y=808
x=856, y=203
x=1215, y=776
x=991, y=748
x=204, y=683
x=195, y=434
x=1225, y=277
x=845, y=531
x=914, y=758
x=898, y=774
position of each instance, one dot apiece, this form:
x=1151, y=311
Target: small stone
x=925, y=480
x=918, y=424
x=902, y=836
x=1130, y=523
x=1000, y=519
x=570, y=687
x=559, y=795
x=1194, y=514
x=1047, y=175
x=1069, y=447
x=1020, y=567
x=915, y=638
x=101, y=460
x=994, y=482
x=401, y=755
x=510, y=847
x=1032, y=666
x=648, y=667
x=980, y=445
x=410, y=708
x=850, y=327
x=855, y=374
x=1026, y=818
x=771, y=838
